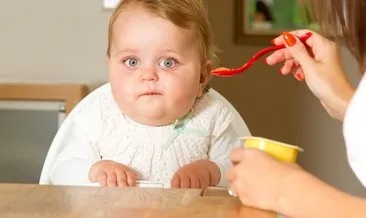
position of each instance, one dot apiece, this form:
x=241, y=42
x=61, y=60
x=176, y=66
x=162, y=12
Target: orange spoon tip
x=220, y=69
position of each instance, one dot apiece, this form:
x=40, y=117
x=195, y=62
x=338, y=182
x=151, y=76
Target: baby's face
x=154, y=68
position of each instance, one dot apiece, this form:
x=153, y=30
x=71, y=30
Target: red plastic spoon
x=226, y=72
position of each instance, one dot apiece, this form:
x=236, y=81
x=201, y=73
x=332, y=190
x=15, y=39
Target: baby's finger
x=288, y=67
x=102, y=179
x=175, y=182
x=185, y=181
x=131, y=177
x=121, y=177
x=204, y=183
x=195, y=181
x=111, y=179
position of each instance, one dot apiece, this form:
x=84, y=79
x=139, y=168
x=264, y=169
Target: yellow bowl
x=279, y=150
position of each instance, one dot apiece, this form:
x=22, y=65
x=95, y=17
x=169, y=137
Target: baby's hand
x=199, y=174
x=112, y=174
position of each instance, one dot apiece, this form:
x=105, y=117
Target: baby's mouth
x=151, y=93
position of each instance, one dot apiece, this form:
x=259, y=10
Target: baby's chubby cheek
x=182, y=97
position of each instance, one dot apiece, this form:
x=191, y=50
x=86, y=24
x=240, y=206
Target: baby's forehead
x=147, y=26
x=135, y=17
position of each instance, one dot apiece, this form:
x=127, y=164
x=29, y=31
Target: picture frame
x=257, y=22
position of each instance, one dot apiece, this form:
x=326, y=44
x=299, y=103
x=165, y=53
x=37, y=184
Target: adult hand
x=319, y=63
x=257, y=177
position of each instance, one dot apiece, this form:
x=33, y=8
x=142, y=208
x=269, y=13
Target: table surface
x=41, y=201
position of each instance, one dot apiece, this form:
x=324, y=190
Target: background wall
x=53, y=41
x=65, y=41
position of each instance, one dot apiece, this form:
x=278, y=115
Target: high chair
x=238, y=123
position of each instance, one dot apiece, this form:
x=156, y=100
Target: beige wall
x=65, y=41
x=53, y=41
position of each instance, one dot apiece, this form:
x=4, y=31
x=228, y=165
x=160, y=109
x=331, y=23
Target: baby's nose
x=149, y=74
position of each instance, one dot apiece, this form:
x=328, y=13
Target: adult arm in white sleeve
x=354, y=132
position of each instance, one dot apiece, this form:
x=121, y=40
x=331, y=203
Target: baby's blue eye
x=131, y=62
x=167, y=63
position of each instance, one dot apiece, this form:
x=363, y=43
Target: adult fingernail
x=299, y=76
x=289, y=39
x=280, y=71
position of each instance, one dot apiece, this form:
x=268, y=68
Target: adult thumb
x=298, y=51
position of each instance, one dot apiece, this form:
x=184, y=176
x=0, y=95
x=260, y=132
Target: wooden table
x=31, y=201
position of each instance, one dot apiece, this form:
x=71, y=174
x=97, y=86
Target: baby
x=157, y=121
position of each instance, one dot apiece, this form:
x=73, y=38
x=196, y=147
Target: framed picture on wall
x=259, y=21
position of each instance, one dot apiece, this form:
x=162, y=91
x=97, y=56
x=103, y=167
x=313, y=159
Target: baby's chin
x=153, y=119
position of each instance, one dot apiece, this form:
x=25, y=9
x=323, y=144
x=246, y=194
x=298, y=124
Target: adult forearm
x=304, y=196
x=339, y=104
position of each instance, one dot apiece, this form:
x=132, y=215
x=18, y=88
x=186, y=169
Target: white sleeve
x=78, y=153
x=354, y=127
x=220, y=151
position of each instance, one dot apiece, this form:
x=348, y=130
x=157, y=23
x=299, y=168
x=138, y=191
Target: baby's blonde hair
x=183, y=13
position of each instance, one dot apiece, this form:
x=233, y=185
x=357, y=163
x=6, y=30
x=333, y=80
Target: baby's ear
x=205, y=72
x=205, y=75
